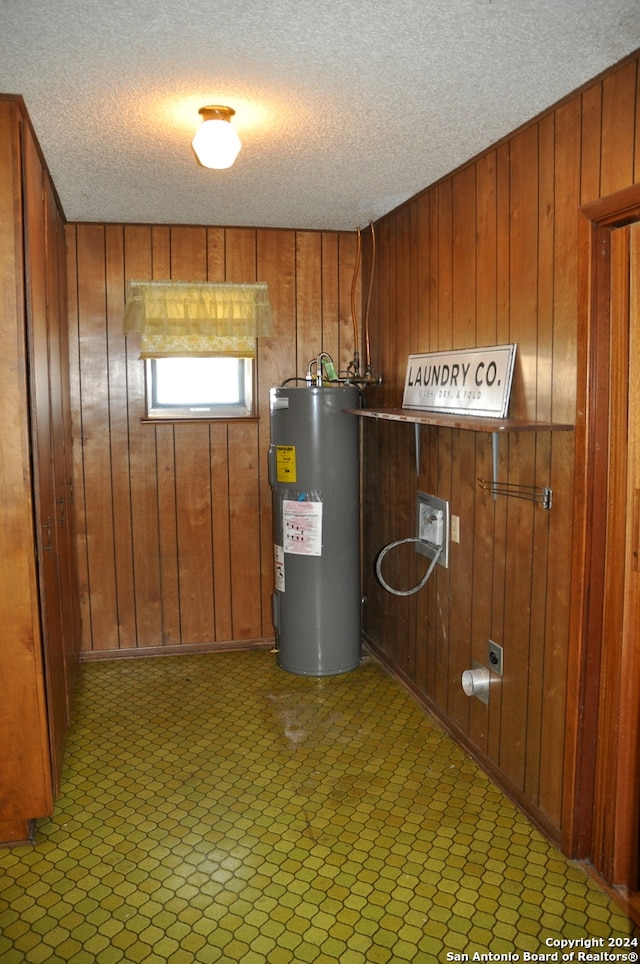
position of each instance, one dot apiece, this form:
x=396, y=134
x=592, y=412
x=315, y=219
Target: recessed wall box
x=433, y=527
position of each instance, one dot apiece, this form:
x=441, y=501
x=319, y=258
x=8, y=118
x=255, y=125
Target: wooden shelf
x=470, y=423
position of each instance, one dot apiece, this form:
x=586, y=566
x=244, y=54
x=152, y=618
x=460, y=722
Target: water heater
x=314, y=475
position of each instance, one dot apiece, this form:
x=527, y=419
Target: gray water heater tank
x=314, y=475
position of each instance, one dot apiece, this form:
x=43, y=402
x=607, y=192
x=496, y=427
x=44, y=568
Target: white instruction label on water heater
x=278, y=567
x=302, y=527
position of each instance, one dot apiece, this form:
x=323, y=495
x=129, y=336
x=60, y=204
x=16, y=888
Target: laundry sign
x=469, y=381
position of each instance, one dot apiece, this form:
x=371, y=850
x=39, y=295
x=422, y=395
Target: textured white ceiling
x=345, y=107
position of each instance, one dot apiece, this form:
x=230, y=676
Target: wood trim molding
x=583, y=727
x=614, y=210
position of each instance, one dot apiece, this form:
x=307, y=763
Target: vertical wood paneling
x=141, y=451
x=590, y=147
x=276, y=264
x=445, y=266
x=499, y=506
x=194, y=535
x=330, y=293
x=82, y=560
x=116, y=369
x=240, y=255
x=521, y=514
x=463, y=473
x=537, y=625
x=404, y=489
x=175, y=519
x=486, y=251
x=246, y=462
x=431, y=247
x=481, y=515
x=484, y=549
x=308, y=298
x=167, y=538
x=216, y=254
x=244, y=528
x=568, y=136
x=413, y=262
x=618, y=129
x=98, y=524
x=276, y=255
x=464, y=259
x=445, y=644
x=161, y=252
x=538, y=653
x=221, y=530
x=497, y=262
x=556, y=631
x=421, y=312
x=188, y=252
x=460, y=575
x=544, y=280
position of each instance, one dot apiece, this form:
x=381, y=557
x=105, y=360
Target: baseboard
x=186, y=649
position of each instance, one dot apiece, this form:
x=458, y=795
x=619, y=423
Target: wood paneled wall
x=174, y=520
x=175, y=543
x=489, y=255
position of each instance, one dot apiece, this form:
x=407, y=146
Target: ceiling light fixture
x=216, y=143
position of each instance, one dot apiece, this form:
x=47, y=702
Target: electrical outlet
x=432, y=527
x=455, y=528
x=495, y=657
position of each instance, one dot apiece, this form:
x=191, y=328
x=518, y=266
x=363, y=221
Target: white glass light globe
x=216, y=143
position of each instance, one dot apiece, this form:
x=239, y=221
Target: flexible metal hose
x=423, y=581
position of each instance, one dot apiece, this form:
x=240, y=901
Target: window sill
x=178, y=420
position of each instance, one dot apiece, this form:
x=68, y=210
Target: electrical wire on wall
x=321, y=370
x=400, y=542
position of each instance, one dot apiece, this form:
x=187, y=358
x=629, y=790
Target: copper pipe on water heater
x=354, y=368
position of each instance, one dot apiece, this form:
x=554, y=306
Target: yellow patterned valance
x=197, y=308
x=197, y=318
x=197, y=346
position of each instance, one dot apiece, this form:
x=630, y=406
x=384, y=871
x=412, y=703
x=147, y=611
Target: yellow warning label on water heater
x=286, y=463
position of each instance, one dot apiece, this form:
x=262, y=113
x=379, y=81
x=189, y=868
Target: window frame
x=186, y=412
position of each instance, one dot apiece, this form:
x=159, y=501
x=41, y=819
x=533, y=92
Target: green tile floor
x=216, y=808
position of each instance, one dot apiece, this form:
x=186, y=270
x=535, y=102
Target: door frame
x=591, y=723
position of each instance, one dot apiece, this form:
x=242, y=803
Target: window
x=199, y=387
